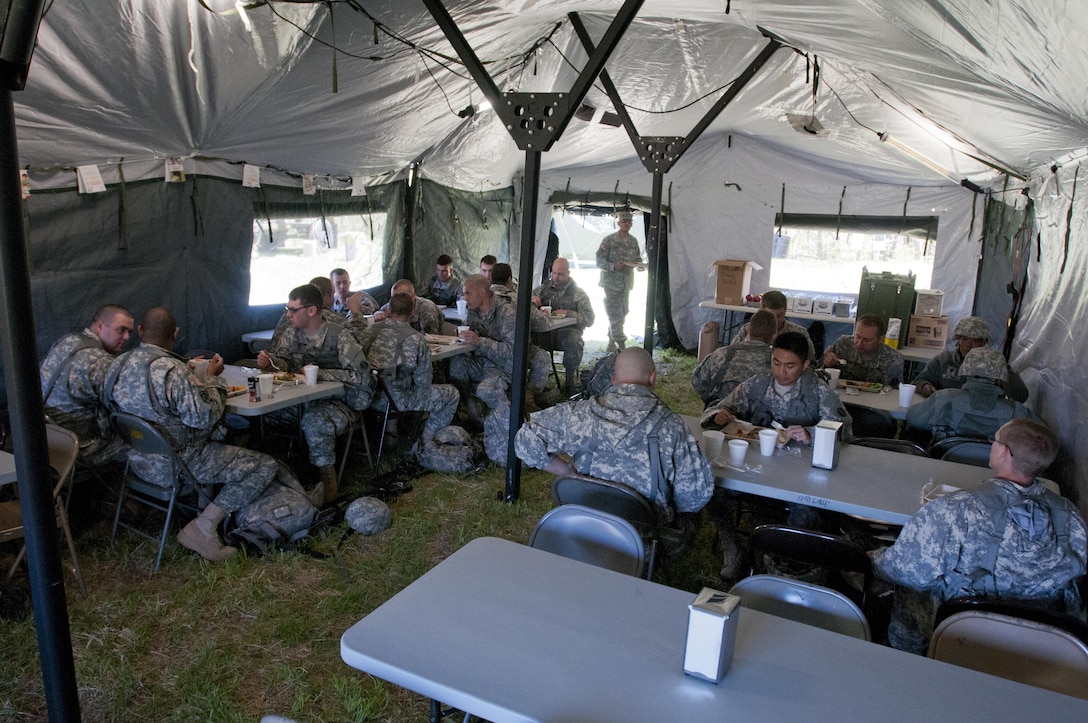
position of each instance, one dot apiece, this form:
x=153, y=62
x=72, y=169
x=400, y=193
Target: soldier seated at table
x=727, y=366
x=943, y=370
x=153, y=383
x=864, y=357
x=72, y=375
x=775, y=302
x=1009, y=538
x=402, y=360
x=567, y=299
x=425, y=316
x=978, y=409
x=336, y=351
x=353, y=305
x=443, y=287
x=327, y=314
x=793, y=395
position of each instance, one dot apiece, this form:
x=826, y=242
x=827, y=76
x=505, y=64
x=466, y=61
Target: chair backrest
x=1014, y=648
x=974, y=453
x=803, y=602
x=591, y=536
x=146, y=438
x=809, y=547
x=868, y=422
x=63, y=450
x=604, y=495
x=903, y=446
x=938, y=448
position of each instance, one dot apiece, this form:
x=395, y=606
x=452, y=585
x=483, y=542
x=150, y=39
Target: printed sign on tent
x=309, y=184
x=89, y=179
x=175, y=172
x=251, y=176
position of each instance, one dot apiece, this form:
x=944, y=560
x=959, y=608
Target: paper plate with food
x=288, y=378
x=860, y=386
x=233, y=390
x=739, y=429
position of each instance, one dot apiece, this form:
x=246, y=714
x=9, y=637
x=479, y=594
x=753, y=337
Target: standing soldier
x=616, y=256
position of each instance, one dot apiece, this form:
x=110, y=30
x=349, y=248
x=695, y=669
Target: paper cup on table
x=546, y=310
x=461, y=330
x=200, y=368
x=712, y=443
x=768, y=440
x=462, y=308
x=833, y=373
x=310, y=370
x=906, y=394
x=265, y=380
x=738, y=448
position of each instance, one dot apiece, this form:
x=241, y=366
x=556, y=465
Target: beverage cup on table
x=200, y=368
x=906, y=394
x=461, y=331
x=833, y=373
x=462, y=308
x=265, y=380
x=546, y=310
x=738, y=448
x=768, y=440
x=310, y=370
x=712, y=443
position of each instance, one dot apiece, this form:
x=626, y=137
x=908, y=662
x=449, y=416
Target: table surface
x=284, y=395
x=509, y=633
x=873, y=483
x=887, y=401
x=7, y=468
x=441, y=349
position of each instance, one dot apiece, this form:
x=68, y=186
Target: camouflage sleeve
x=702, y=379
x=742, y=336
x=931, y=373
x=537, y=319
x=926, y=547
x=458, y=289
x=498, y=346
x=352, y=358
x=893, y=373
x=604, y=253
x=367, y=303
x=278, y=332
x=430, y=318
x=538, y=440
x=584, y=308
x=923, y=415
x=686, y=467
x=197, y=406
x=420, y=353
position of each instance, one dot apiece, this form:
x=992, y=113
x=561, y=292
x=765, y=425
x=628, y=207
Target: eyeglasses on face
x=291, y=311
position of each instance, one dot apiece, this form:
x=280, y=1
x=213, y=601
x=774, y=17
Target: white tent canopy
x=918, y=95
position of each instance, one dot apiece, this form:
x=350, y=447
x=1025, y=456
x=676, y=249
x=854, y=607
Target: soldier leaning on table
x=336, y=351
x=863, y=356
x=425, y=316
x=153, y=383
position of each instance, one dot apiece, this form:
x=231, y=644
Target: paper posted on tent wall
x=309, y=184
x=174, y=172
x=24, y=183
x=358, y=186
x=251, y=176
x=89, y=180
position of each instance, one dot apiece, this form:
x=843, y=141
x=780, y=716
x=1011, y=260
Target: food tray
x=931, y=493
x=749, y=432
x=288, y=378
x=873, y=387
x=441, y=339
x=233, y=390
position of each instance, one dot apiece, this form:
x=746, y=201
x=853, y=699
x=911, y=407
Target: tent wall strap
x=1069, y=219
x=122, y=209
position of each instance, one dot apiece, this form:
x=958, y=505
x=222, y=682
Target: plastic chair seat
x=591, y=536
x=803, y=602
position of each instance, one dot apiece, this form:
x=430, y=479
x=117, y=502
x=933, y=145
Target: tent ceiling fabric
x=145, y=80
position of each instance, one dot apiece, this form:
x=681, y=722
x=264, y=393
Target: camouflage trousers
x=441, y=403
x=473, y=369
x=616, y=308
x=322, y=421
x=911, y=624
x=568, y=341
x=497, y=433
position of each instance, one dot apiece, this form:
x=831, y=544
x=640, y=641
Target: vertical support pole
x=653, y=259
x=529, y=195
x=28, y=436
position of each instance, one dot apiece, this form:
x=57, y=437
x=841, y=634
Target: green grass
x=231, y=642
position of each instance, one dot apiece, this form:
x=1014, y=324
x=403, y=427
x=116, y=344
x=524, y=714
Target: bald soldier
x=566, y=299
x=608, y=437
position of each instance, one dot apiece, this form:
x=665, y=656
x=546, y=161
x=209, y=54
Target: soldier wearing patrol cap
x=943, y=371
x=617, y=257
x=978, y=409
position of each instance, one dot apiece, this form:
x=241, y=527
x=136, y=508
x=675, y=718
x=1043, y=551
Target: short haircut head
x=308, y=294
x=106, y=312
x=443, y=260
x=792, y=341
x=478, y=281
x=488, y=259
x=401, y=305
x=404, y=286
x=1033, y=445
x=338, y=272
x=323, y=285
x=157, y=325
x=763, y=326
x=773, y=300
x=501, y=273
x=634, y=365
x=872, y=320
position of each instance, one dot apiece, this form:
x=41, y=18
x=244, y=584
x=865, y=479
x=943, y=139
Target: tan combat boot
x=202, y=535
x=329, y=483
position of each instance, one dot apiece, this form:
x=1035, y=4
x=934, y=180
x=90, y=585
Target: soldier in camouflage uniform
x=425, y=317
x=566, y=299
x=336, y=351
x=962, y=545
x=327, y=314
x=978, y=409
x=775, y=302
x=403, y=360
x=443, y=287
x=72, y=375
x=943, y=370
x=154, y=384
x=864, y=357
x=617, y=257
x=608, y=437
x=351, y=305
x=724, y=368
x=792, y=394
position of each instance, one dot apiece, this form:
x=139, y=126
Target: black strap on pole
x=17, y=338
x=653, y=258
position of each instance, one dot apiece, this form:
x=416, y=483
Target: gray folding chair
x=591, y=536
x=803, y=602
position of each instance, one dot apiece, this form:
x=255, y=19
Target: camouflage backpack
x=598, y=378
x=283, y=513
x=453, y=449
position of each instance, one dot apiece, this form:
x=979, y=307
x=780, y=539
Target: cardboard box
x=927, y=332
x=734, y=280
x=930, y=302
x=803, y=305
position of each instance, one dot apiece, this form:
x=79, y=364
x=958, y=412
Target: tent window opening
x=298, y=248
x=807, y=256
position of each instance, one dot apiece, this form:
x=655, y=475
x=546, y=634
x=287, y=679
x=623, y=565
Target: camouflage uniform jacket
x=571, y=298
x=76, y=368
x=742, y=336
x=426, y=317
x=282, y=326
x=336, y=351
x=943, y=372
x=979, y=409
x=614, y=249
x=807, y=402
x=401, y=352
x=727, y=366
x=443, y=293
x=154, y=384
x=885, y=365
x=496, y=330
x=367, y=305
x=950, y=539
x=606, y=437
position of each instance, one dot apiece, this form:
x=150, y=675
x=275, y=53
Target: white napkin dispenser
x=712, y=632
x=825, y=444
